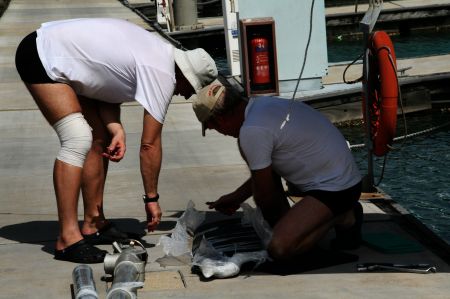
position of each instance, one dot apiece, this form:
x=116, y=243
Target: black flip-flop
x=81, y=252
x=109, y=234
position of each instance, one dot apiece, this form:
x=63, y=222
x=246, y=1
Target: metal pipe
x=83, y=283
x=128, y=268
x=366, y=26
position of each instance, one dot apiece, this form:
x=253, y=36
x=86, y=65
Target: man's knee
x=76, y=139
x=279, y=249
x=283, y=247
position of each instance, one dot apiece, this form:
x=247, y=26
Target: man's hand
x=230, y=203
x=154, y=214
x=116, y=150
x=227, y=204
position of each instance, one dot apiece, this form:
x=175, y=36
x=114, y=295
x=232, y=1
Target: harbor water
x=416, y=174
x=405, y=46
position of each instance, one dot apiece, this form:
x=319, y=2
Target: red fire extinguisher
x=260, y=70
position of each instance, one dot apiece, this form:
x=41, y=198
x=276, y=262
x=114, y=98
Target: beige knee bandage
x=76, y=139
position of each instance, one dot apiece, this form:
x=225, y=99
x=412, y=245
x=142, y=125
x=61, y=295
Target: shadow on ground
x=45, y=232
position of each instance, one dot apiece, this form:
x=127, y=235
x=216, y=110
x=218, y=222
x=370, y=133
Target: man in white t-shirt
x=79, y=72
x=286, y=139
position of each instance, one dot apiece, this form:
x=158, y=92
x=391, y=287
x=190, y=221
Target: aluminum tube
x=126, y=271
x=128, y=277
x=83, y=283
x=120, y=294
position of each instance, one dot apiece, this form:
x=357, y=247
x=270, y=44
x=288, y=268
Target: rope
x=408, y=136
x=306, y=48
x=303, y=66
x=347, y=67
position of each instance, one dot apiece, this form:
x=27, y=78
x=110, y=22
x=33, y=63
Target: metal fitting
x=127, y=266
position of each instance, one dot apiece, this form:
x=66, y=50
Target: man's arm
x=150, y=158
x=110, y=116
x=229, y=203
x=269, y=194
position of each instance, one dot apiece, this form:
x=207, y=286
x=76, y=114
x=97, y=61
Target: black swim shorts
x=338, y=201
x=28, y=63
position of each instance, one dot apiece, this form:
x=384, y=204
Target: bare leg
x=66, y=181
x=94, y=171
x=55, y=102
x=346, y=220
x=300, y=228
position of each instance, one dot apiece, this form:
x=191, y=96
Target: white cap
x=197, y=66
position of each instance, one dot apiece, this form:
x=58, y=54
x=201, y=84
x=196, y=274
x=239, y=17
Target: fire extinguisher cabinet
x=259, y=56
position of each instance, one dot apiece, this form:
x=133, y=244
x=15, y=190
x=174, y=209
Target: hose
x=303, y=65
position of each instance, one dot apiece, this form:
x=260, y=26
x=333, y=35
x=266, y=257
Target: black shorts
x=28, y=63
x=337, y=201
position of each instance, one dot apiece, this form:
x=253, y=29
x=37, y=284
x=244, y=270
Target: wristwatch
x=147, y=199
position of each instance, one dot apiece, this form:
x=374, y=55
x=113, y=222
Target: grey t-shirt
x=308, y=151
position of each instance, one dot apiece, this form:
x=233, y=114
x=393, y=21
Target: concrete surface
x=194, y=168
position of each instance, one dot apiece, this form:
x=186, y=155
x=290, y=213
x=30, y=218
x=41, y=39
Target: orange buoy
x=382, y=84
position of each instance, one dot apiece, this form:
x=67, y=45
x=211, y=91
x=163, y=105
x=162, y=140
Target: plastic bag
x=179, y=242
x=255, y=218
x=212, y=263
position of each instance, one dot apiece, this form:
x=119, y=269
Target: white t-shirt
x=110, y=60
x=309, y=151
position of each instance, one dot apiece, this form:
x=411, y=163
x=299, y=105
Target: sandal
x=109, y=234
x=350, y=238
x=81, y=252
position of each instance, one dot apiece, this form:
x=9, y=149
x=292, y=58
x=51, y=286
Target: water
x=416, y=176
x=405, y=46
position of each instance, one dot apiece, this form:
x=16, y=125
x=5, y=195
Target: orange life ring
x=383, y=92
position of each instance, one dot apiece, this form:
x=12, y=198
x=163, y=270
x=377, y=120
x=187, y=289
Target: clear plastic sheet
x=179, y=243
x=210, y=261
x=255, y=218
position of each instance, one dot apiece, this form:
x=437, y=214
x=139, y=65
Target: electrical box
x=296, y=22
x=259, y=56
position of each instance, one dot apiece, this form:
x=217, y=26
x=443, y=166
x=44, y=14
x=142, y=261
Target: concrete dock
x=194, y=168
x=342, y=22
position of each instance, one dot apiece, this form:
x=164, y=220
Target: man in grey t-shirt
x=286, y=139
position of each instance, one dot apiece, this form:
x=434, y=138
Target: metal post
x=366, y=26
x=185, y=13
